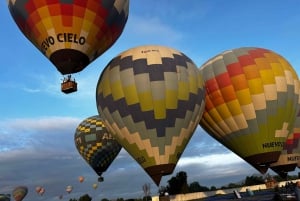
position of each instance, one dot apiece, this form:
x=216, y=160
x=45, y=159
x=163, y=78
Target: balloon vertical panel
x=76, y=30
x=251, y=100
x=152, y=97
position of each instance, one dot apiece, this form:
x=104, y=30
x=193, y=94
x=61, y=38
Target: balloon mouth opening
x=68, y=61
x=262, y=161
x=284, y=168
x=156, y=172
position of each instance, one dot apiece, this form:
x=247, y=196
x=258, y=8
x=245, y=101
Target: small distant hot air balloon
x=153, y=98
x=71, y=34
x=69, y=189
x=38, y=189
x=80, y=179
x=4, y=197
x=95, y=186
x=19, y=193
x=96, y=144
x=42, y=191
x=251, y=101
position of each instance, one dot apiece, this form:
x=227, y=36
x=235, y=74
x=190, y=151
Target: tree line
x=178, y=185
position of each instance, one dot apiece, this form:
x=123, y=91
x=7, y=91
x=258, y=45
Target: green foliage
x=254, y=180
x=85, y=197
x=178, y=184
x=196, y=187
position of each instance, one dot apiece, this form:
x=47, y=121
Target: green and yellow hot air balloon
x=152, y=97
x=96, y=144
x=251, y=101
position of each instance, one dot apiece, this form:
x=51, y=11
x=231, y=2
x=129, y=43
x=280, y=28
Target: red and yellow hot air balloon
x=251, y=101
x=152, y=97
x=81, y=179
x=19, y=193
x=71, y=34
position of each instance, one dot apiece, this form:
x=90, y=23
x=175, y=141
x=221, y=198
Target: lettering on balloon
x=146, y=51
x=61, y=38
x=293, y=158
x=107, y=136
x=272, y=144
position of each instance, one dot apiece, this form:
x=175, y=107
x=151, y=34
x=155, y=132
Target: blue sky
x=37, y=121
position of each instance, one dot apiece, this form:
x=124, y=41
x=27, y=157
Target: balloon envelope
x=251, y=101
x=19, y=193
x=71, y=34
x=80, y=179
x=4, y=197
x=96, y=144
x=69, y=189
x=153, y=98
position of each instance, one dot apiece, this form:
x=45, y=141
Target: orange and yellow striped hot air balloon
x=71, y=34
x=251, y=101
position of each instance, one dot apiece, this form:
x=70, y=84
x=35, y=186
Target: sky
x=38, y=121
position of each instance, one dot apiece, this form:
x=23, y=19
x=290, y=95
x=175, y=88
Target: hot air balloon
x=251, y=100
x=19, y=193
x=42, y=191
x=71, y=34
x=95, y=186
x=290, y=155
x=38, y=189
x=95, y=144
x=152, y=97
x=4, y=197
x=69, y=189
x=80, y=179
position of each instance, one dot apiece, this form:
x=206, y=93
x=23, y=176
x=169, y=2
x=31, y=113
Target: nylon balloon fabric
x=96, y=144
x=71, y=34
x=251, y=101
x=152, y=97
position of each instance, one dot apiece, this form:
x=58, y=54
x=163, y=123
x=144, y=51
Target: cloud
x=41, y=151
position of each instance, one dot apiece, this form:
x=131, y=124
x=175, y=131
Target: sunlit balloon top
x=152, y=97
x=70, y=33
x=251, y=101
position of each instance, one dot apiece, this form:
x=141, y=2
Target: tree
x=178, y=184
x=85, y=197
x=254, y=180
x=196, y=187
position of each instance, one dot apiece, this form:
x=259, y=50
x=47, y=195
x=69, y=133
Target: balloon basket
x=69, y=86
x=100, y=179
